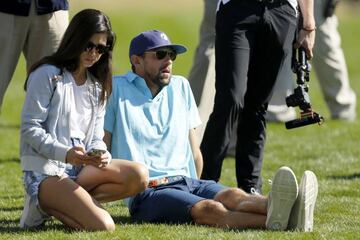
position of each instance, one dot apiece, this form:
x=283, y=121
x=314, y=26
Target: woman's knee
x=131, y=173
x=140, y=175
x=103, y=223
x=135, y=176
x=107, y=224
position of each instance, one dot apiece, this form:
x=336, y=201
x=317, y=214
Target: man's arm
x=107, y=140
x=306, y=37
x=196, y=152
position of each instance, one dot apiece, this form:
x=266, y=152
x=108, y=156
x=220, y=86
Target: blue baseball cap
x=150, y=40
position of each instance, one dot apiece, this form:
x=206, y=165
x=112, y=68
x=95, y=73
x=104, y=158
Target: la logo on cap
x=163, y=36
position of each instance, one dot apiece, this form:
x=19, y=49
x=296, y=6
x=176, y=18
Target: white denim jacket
x=45, y=119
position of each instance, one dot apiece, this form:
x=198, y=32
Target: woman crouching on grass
x=62, y=121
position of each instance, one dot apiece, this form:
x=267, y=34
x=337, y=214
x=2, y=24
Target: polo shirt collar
x=130, y=76
x=139, y=83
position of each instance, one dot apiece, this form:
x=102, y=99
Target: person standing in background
x=34, y=27
x=202, y=73
x=330, y=68
x=329, y=63
x=253, y=38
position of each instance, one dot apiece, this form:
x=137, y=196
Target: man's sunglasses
x=100, y=49
x=161, y=54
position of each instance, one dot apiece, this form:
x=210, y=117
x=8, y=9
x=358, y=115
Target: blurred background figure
x=202, y=73
x=330, y=68
x=34, y=27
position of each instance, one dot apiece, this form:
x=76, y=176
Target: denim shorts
x=172, y=202
x=32, y=180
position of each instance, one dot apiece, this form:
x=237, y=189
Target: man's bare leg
x=214, y=213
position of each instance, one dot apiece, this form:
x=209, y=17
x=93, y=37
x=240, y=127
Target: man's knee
x=208, y=212
x=230, y=194
x=231, y=197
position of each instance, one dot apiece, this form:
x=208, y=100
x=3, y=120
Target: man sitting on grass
x=150, y=118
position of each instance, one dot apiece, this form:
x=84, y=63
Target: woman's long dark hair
x=82, y=27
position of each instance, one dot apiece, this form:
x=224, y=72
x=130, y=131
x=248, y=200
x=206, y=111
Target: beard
x=161, y=79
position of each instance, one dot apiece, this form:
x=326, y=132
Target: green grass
x=331, y=151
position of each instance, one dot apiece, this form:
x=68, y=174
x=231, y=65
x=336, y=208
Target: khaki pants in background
x=34, y=35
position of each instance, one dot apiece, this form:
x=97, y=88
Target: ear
x=135, y=60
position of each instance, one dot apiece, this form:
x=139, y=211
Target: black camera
x=300, y=98
x=301, y=67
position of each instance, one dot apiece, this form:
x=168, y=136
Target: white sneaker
x=32, y=216
x=280, y=113
x=284, y=191
x=302, y=214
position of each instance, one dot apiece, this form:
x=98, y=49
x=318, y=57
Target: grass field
x=331, y=151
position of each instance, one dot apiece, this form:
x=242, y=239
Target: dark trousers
x=252, y=41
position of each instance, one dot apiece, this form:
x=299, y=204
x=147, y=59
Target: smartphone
x=96, y=152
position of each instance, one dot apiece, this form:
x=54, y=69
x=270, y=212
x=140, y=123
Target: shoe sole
x=284, y=191
x=302, y=215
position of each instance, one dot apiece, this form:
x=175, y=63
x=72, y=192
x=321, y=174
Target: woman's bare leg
x=120, y=179
x=71, y=204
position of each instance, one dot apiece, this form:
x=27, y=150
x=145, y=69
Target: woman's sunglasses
x=100, y=49
x=161, y=54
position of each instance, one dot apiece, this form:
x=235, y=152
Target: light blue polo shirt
x=153, y=131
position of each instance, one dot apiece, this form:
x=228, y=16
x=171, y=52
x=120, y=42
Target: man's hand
x=306, y=40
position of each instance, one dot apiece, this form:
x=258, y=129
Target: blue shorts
x=172, y=202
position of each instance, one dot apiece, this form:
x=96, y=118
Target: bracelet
x=308, y=29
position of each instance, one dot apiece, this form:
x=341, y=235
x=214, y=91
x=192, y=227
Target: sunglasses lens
x=99, y=48
x=172, y=55
x=89, y=47
x=161, y=54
